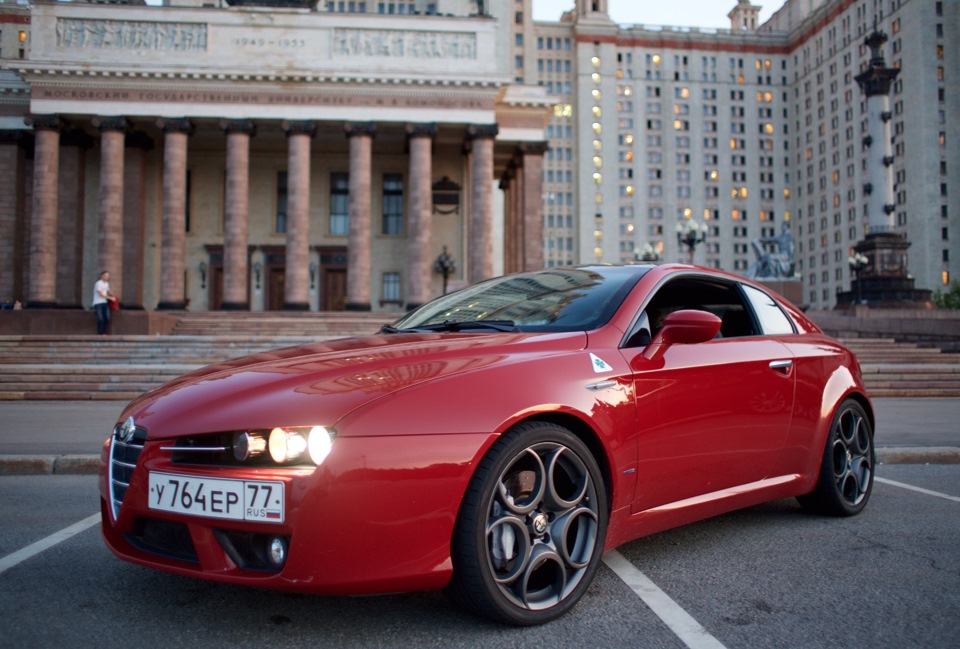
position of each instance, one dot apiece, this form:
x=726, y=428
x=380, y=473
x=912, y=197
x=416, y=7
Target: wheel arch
x=586, y=434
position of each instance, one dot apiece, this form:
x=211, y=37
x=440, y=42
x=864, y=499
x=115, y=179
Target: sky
x=678, y=13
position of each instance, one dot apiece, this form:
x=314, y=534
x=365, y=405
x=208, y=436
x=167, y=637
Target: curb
x=49, y=464
x=90, y=464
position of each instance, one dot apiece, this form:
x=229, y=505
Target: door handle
x=781, y=366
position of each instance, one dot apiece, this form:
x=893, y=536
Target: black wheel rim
x=542, y=526
x=852, y=457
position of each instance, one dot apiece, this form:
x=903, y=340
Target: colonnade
x=523, y=227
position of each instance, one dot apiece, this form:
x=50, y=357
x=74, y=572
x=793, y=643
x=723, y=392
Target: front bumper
x=376, y=516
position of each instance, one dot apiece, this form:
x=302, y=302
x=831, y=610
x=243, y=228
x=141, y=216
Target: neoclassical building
x=265, y=158
x=325, y=157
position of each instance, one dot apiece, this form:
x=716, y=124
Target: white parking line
x=690, y=632
x=20, y=556
x=894, y=483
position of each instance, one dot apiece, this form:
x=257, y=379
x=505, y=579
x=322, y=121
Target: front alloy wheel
x=846, y=471
x=531, y=528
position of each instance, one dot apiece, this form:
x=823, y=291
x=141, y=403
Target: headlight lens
x=320, y=444
x=248, y=445
x=289, y=445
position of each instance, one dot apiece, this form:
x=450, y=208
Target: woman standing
x=101, y=302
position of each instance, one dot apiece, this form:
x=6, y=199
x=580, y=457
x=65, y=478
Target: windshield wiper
x=463, y=325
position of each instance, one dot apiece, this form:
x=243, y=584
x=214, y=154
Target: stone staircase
x=892, y=369
x=330, y=324
x=122, y=367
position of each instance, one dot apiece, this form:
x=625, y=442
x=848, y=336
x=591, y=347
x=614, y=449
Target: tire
x=531, y=529
x=846, y=470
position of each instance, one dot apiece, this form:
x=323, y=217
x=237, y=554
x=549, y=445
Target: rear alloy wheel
x=846, y=471
x=531, y=528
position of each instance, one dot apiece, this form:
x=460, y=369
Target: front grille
x=123, y=460
x=165, y=538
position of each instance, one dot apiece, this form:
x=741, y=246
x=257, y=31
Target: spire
x=744, y=17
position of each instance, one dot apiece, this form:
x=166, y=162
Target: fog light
x=286, y=445
x=277, y=551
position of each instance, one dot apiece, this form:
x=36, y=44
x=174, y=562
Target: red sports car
x=493, y=442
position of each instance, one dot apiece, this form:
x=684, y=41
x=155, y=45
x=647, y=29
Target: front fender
x=492, y=400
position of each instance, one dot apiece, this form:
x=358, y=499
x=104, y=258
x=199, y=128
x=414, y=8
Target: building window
x=390, y=288
x=392, y=204
x=281, y=220
x=339, y=204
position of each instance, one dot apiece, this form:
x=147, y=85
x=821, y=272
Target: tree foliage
x=950, y=299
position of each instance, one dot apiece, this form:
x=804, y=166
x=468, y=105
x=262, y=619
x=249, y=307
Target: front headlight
x=288, y=445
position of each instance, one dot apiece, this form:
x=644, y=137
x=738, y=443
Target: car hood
x=318, y=384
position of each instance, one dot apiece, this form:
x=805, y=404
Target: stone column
x=359, y=242
x=172, y=249
x=532, y=211
x=12, y=201
x=480, y=139
x=237, y=214
x=113, y=132
x=516, y=230
x=508, y=184
x=42, y=279
x=297, y=278
x=71, y=208
x=420, y=141
x=134, y=216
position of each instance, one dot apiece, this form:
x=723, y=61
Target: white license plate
x=238, y=500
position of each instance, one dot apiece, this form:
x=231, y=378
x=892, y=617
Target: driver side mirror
x=684, y=327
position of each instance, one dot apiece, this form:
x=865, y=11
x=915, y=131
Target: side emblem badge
x=599, y=365
x=126, y=431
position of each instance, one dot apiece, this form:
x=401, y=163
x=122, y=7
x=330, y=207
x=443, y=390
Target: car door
x=713, y=415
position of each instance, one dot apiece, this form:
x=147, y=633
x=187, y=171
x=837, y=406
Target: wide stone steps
x=121, y=367
x=892, y=369
x=270, y=323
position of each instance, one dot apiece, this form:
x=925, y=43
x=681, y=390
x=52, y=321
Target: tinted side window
x=773, y=320
x=718, y=297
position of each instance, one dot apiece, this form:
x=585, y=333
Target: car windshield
x=560, y=299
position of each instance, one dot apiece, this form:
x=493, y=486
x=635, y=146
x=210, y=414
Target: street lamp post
x=690, y=233
x=445, y=266
x=858, y=262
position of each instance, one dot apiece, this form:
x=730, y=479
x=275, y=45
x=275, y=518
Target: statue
x=774, y=256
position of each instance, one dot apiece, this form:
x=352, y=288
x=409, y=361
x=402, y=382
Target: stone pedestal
x=883, y=282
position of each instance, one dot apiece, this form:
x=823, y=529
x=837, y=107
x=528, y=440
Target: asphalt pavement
x=38, y=437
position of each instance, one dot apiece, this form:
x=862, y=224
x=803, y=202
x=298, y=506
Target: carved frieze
x=384, y=43
x=85, y=33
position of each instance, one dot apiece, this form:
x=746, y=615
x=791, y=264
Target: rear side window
x=773, y=321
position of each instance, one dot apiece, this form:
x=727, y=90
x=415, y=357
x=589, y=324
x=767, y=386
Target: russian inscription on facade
x=81, y=33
